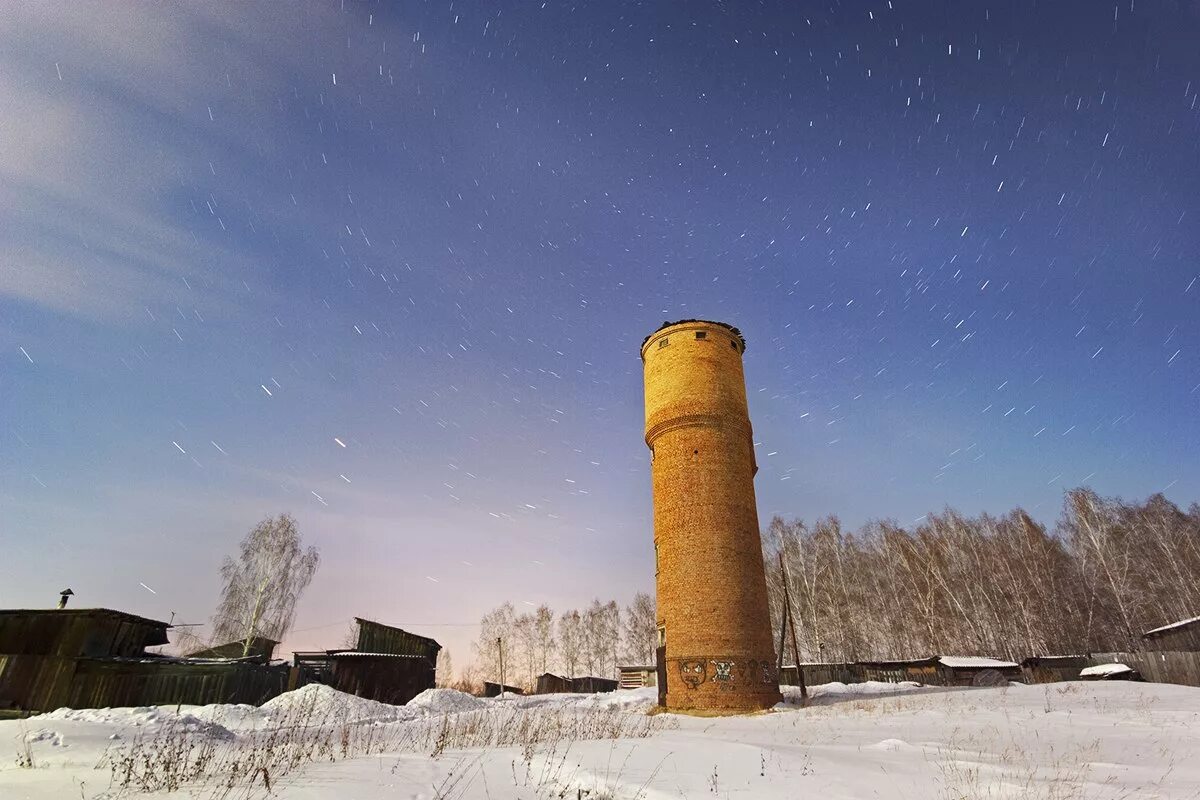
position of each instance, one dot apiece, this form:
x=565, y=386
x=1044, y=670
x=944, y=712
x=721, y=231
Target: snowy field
x=1057, y=742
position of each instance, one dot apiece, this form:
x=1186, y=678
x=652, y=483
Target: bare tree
x=497, y=624
x=526, y=650
x=350, y=637
x=444, y=670
x=186, y=641
x=641, y=629
x=468, y=680
x=263, y=583
x=601, y=637
x=571, y=641
x=544, y=636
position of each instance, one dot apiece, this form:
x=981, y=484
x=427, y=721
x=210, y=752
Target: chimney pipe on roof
x=63, y=596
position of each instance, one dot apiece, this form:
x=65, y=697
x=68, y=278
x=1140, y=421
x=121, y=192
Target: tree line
x=591, y=641
x=1108, y=571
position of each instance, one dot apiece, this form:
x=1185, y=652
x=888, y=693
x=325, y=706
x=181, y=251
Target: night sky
x=388, y=267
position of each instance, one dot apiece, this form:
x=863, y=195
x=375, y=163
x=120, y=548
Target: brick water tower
x=712, y=590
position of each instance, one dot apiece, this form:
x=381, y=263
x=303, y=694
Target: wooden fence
x=1158, y=666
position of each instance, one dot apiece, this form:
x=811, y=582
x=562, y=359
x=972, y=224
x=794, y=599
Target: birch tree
x=641, y=629
x=571, y=642
x=263, y=583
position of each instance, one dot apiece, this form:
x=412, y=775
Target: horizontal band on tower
x=690, y=421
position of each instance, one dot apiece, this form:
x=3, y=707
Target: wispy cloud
x=107, y=127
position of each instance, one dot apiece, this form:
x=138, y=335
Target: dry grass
x=179, y=754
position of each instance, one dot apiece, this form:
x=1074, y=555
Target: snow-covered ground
x=1057, y=742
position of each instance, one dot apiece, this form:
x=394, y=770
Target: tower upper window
x=733, y=344
x=701, y=334
x=663, y=342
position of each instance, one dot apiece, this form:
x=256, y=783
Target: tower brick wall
x=712, y=594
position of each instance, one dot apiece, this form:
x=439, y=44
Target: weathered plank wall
x=105, y=683
x=1158, y=666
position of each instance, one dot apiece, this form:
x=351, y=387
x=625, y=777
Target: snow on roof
x=1172, y=626
x=974, y=662
x=358, y=654
x=1104, y=669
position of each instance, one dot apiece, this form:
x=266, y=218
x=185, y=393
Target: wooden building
x=40, y=650
x=163, y=681
x=977, y=671
x=549, y=683
x=635, y=676
x=590, y=684
x=388, y=664
x=942, y=671
x=96, y=658
x=1178, y=637
x=920, y=670
x=1052, y=669
x=491, y=689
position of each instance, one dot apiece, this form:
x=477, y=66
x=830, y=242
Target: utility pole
x=500, y=647
x=791, y=623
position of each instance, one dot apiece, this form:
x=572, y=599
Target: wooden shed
x=491, y=689
x=549, y=683
x=920, y=670
x=635, y=676
x=590, y=684
x=1052, y=669
x=942, y=671
x=389, y=664
x=976, y=671
x=1178, y=637
x=40, y=650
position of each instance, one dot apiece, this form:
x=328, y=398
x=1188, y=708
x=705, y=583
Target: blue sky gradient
x=961, y=242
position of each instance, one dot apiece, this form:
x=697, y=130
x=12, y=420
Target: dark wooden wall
x=382, y=678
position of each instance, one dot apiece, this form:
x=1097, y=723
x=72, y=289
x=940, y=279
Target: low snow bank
x=446, y=701
x=139, y=717
x=317, y=704
x=641, y=699
x=836, y=691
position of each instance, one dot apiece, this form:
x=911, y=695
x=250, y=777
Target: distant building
x=1182, y=636
x=1052, y=669
x=491, y=689
x=635, y=676
x=549, y=683
x=942, y=671
x=388, y=664
x=977, y=671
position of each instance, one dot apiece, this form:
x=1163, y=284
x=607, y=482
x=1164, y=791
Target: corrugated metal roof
x=975, y=662
x=1183, y=623
x=357, y=654
x=83, y=612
